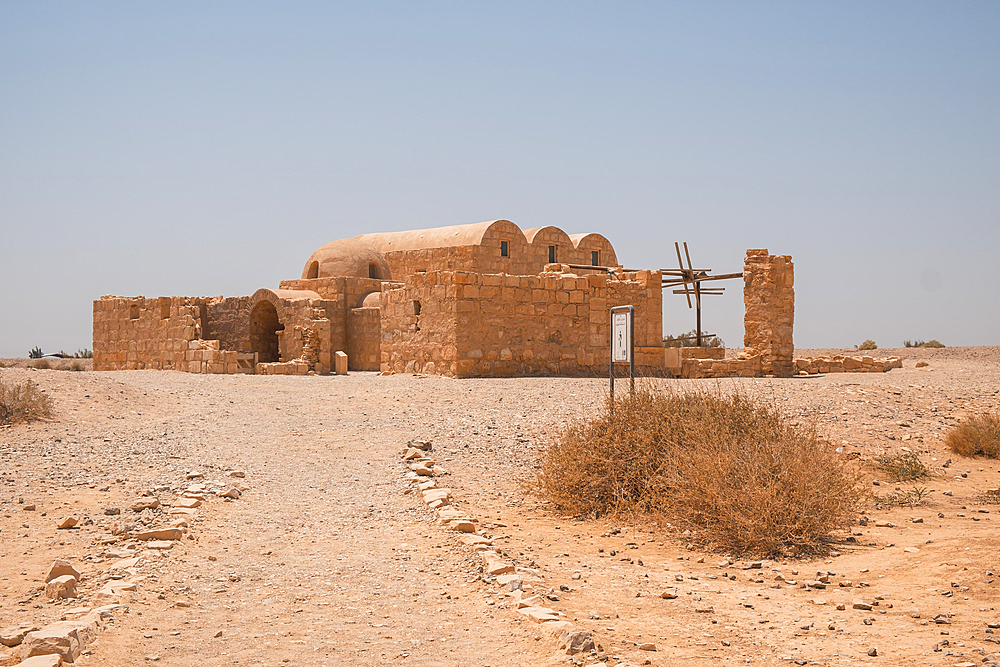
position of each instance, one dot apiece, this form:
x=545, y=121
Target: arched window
x=374, y=271
x=313, y=271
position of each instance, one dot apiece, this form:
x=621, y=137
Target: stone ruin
x=479, y=300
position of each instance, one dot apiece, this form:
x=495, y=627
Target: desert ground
x=329, y=556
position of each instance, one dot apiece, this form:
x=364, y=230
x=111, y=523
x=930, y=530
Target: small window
x=595, y=258
x=314, y=270
x=133, y=311
x=165, y=310
x=552, y=254
x=373, y=270
x=504, y=251
x=416, y=308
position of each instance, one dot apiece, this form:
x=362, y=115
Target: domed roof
x=347, y=258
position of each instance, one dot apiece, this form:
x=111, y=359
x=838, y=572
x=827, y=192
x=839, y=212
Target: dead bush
x=41, y=364
x=23, y=402
x=978, y=435
x=730, y=469
x=904, y=467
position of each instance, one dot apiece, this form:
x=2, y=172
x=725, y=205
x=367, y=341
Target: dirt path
x=329, y=558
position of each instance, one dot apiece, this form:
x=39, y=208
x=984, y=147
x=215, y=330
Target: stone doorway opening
x=264, y=328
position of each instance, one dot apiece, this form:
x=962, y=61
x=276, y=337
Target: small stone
x=13, y=635
x=112, y=511
x=218, y=634
x=647, y=646
x=237, y=473
x=186, y=503
x=232, y=492
x=873, y=652
x=864, y=606
x=51, y=660
x=579, y=641
x=911, y=550
x=61, y=587
x=145, y=504
x=60, y=568
x=68, y=522
x=160, y=534
x=942, y=619
x=884, y=524
x=669, y=594
x=705, y=610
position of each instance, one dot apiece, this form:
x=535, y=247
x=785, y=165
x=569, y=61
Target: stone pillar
x=769, y=298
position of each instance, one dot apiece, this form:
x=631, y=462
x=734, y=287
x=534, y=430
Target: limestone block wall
x=469, y=324
x=842, y=364
x=138, y=333
x=340, y=295
x=364, y=338
x=769, y=298
x=228, y=321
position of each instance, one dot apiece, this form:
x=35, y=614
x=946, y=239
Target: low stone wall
x=842, y=364
x=474, y=325
x=364, y=338
x=135, y=333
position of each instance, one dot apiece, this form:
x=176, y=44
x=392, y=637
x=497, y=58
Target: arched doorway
x=264, y=328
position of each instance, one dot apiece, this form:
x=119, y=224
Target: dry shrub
x=76, y=366
x=904, y=467
x=23, y=402
x=41, y=363
x=730, y=469
x=975, y=436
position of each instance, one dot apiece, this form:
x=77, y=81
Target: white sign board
x=621, y=336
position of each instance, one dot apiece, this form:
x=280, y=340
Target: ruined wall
x=364, y=339
x=228, y=321
x=340, y=296
x=137, y=333
x=769, y=298
x=469, y=324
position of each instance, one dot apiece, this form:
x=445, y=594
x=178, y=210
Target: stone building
x=486, y=299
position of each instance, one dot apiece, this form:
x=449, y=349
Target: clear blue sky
x=209, y=148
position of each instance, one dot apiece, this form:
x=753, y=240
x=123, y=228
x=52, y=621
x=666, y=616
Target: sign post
x=622, y=343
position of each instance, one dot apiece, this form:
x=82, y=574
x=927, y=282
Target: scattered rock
x=53, y=660
x=232, y=492
x=578, y=641
x=13, y=635
x=647, y=646
x=186, y=503
x=61, y=587
x=68, y=522
x=160, y=534
x=145, y=504
x=669, y=594
x=60, y=568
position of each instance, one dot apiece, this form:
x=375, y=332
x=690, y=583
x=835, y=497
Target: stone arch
x=264, y=328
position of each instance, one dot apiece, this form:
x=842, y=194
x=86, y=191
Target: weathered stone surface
x=144, y=504
x=539, y=614
x=669, y=594
x=232, y=492
x=61, y=587
x=13, y=635
x=161, y=545
x=160, y=534
x=498, y=567
x=577, y=641
x=54, y=660
x=462, y=526
x=64, y=638
x=187, y=503
x=68, y=522
x=62, y=567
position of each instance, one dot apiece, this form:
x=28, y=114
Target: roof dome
x=347, y=258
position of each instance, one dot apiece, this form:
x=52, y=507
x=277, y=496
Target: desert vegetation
x=903, y=467
x=23, y=402
x=920, y=343
x=868, y=345
x=728, y=468
x=690, y=339
x=978, y=435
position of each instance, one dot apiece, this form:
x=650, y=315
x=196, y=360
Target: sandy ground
x=329, y=558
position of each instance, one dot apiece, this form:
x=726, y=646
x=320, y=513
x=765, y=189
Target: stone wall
x=842, y=364
x=769, y=298
x=137, y=333
x=228, y=321
x=469, y=324
x=364, y=339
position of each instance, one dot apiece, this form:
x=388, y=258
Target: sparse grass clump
x=978, y=435
x=904, y=467
x=76, y=366
x=23, y=402
x=908, y=498
x=920, y=343
x=41, y=364
x=868, y=345
x=730, y=469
